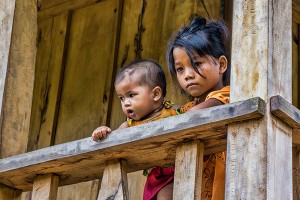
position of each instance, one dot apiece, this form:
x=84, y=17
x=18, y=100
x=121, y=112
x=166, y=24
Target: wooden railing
x=182, y=140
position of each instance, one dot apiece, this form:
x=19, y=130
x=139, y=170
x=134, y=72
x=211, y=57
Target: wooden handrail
x=141, y=146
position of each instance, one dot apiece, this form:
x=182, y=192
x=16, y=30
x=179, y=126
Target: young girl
x=198, y=62
x=141, y=87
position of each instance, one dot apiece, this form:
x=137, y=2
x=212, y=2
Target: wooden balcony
x=140, y=147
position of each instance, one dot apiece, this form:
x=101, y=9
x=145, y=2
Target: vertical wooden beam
x=188, y=171
x=45, y=187
x=259, y=152
x=296, y=173
x=114, y=181
x=7, y=8
x=17, y=100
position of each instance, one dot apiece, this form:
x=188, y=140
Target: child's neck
x=154, y=113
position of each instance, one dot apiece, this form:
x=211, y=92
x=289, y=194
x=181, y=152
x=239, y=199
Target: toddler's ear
x=157, y=93
x=223, y=64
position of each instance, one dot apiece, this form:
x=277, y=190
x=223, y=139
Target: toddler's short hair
x=148, y=72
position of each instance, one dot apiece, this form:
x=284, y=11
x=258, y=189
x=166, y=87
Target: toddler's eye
x=131, y=95
x=121, y=98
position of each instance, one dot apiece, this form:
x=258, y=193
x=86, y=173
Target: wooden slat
x=142, y=146
x=259, y=155
x=45, y=187
x=188, y=171
x=114, y=181
x=48, y=80
x=60, y=8
x=296, y=173
x=285, y=111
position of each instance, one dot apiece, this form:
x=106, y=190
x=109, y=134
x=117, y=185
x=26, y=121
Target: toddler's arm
x=101, y=132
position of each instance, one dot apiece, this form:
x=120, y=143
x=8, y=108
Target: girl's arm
x=206, y=104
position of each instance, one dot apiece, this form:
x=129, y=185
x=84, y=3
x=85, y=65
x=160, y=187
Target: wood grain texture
x=296, y=173
x=188, y=171
x=55, y=7
x=85, y=159
x=295, y=64
x=45, y=187
x=114, y=181
x=261, y=56
x=88, y=71
x=50, y=62
x=285, y=111
x=7, y=8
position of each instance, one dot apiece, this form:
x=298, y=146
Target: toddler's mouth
x=130, y=113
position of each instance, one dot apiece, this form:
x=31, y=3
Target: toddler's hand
x=100, y=133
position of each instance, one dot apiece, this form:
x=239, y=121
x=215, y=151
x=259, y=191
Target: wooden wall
x=81, y=45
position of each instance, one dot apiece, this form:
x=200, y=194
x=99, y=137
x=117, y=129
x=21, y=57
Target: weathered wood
x=9, y=193
x=19, y=81
x=50, y=62
x=87, y=82
x=114, y=181
x=142, y=146
x=45, y=4
x=296, y=173
x=261, y=66
x=6, y=15
x=45, y=187
x=188, y=171
x=296, y=11
x=295, y=62
x=285, y=111
x=62, y=7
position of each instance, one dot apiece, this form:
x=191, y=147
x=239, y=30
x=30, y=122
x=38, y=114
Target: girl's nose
x=189, y=73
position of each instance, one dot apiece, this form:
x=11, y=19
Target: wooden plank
x=188, y=171
x=48, y=80
x=296, y=11
x=45, y=4
x=81, y=110
x=285, y=111
x=296, y=173
x=85, y=159
x=7, y=15
x=259, y=156
x=66, y=6
x=114, y=181
x=45, y=187
x=295, y=62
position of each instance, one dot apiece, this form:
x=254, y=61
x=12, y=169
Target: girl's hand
x=100, y=133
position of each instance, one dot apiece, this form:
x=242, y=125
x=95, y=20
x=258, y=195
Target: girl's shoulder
x=222, y=95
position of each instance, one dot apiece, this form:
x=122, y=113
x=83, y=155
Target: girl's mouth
x=191, y=85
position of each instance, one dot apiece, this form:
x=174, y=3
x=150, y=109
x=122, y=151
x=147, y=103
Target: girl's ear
x=157, y=93
x=223, y=64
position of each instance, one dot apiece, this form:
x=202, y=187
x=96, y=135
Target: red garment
x=156, y=180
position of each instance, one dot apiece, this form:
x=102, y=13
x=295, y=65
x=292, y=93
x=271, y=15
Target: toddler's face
x=209, y=79
x=137, y=100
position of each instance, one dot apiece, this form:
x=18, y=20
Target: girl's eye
x=197, y=64
x=179, y=69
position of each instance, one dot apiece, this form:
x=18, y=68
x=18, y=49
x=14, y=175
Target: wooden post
x=45, y=187
x=114, y=181
x=259, y=152
x=296, y=173
x=188, y=171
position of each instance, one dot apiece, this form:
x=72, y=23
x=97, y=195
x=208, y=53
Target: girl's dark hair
x=148, y=71
x=206, y=38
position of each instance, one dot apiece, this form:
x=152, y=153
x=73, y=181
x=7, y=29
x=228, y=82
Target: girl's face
x=210, y=77
x=137, y=100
